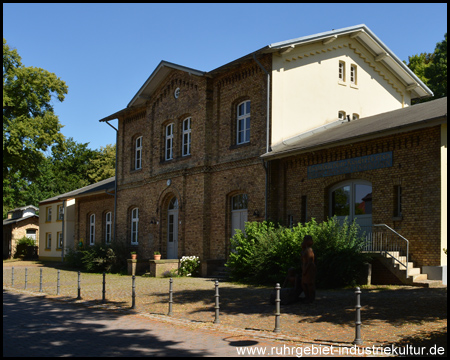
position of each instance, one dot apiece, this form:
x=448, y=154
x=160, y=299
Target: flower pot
x=133, y=256
x=157, y=257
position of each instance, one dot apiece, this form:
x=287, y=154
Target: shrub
x=170, y=273
x=189, y=266
x=21, y=246
x=265, y=251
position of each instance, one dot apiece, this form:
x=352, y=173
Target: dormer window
x=355, y=116
x=341, y=115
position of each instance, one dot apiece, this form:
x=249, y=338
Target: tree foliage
x=30, y=125
x=431, y=68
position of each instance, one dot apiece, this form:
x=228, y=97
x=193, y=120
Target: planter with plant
x=157, y=255
x=133, y=255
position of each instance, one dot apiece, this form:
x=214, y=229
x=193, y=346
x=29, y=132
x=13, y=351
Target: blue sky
x=105, y=52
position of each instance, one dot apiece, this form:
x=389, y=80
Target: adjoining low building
x=20, y=222
x=60, y=220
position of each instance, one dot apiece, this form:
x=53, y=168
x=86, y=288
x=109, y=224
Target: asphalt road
x=36, y=326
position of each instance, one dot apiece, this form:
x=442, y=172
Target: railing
x=383, y=239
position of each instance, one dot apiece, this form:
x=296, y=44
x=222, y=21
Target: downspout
x=266, y=164
x=115, y=185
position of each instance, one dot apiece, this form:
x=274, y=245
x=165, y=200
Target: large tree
x=30, y=125
x=431, y=68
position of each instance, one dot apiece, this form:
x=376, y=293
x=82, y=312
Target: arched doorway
x=172, y=229
x=353, y=199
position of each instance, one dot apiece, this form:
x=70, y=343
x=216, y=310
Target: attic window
x=341, y=115
x=355, y=116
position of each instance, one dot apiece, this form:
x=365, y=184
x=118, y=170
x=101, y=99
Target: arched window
x=187, y=137
x=243, y=123
x=134, y=226
x=108, y=223
x=92, y=229
x=169, y=142
x=138, y=153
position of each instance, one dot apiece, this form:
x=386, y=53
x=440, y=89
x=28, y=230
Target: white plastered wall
x=307, y=93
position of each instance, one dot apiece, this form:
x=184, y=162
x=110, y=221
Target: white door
x=353, y=200
x=172, y=230
x=239, y=213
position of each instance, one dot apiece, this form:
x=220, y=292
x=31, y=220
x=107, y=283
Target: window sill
x=353, y=86
x=237, y=146
x=341, y=83
x=397, y=218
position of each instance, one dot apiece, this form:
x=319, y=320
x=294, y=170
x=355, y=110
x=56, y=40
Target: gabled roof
x=13, y=221
x=418, y=116
x=359, y=32
x=98, y=188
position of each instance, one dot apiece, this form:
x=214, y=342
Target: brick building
x=199, y=153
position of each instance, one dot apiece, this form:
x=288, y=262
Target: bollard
x=358, y=340
x=12, y=277
x=26, y=278
x=133, y=293
x=57, y=283
x=216, y=307
x=40, y=281
x=170, y=297
x=104, y=289
x=79, y=288
x=277, y=309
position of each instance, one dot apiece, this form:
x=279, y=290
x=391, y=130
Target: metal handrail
x=386, y=251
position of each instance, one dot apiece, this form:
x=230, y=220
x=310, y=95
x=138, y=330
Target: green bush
x=265, y=251
x=21, y=246
x=99, y=258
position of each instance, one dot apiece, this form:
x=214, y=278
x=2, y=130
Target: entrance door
x=239, y=213
x=353, y=199
x=172, y=230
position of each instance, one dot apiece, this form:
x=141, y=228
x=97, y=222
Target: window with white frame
x=48, y=241
x=92, y=229
x=341, y=115
x=341, y=71
x=108, y=223
x=353, y=74
x=134, y=226
x=187, y=137
x=60, y=212
x=169, y=142
x=243, y=122
x=138, y=153
x=31, y=234
x=59, y=240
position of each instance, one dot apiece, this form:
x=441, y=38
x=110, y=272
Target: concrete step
x=429, y=283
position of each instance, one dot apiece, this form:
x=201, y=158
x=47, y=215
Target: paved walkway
x=36, y=326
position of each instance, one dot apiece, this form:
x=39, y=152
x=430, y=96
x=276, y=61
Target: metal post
x=12, y=277
x=170, y=297
x=104, y=289
x=216, y=307
x=79, y=288
x=57, y=283
x=133, y=293
x=277, y=308
x=26, y=278
x=358, y=340
x=40, y=281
